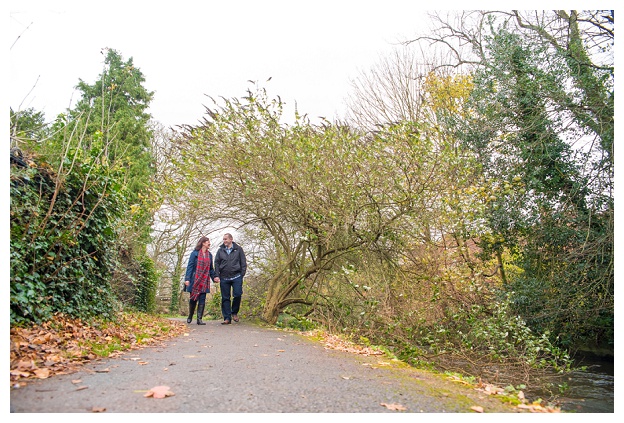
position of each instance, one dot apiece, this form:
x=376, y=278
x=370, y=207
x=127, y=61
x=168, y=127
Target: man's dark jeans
x=228, y=289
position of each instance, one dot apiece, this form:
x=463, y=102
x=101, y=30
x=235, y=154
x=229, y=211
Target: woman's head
x=201, y=241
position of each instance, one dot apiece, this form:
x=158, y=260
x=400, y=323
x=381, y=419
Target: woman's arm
x=190, y=268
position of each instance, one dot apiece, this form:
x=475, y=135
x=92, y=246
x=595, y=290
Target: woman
x=199, y=271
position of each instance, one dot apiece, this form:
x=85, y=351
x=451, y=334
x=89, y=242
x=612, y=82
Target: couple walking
x=228, y=270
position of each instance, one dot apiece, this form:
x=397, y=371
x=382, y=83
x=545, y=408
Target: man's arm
x=217, y=260
x=243, y=262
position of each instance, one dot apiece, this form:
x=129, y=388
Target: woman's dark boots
x=191, y=311
x=200, y=314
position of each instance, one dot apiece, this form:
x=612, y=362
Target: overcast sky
x=189, y=49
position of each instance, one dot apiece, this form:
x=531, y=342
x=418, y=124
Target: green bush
x=494, y=334
x=145, y=292
x=213, y=305
x=62, y=238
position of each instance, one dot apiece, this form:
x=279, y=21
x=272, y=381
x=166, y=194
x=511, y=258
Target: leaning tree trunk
x=271, y=306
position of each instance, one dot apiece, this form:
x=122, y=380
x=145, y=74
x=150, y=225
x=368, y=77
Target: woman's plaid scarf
x=202, y=275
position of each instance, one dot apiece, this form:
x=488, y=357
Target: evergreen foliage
x=81, y=209
x=63, y=236
x=558, y=221
x=115, y=107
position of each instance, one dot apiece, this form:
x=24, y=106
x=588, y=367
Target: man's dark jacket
x=230, y=265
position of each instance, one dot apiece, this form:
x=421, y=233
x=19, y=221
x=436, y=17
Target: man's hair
x=229, y=235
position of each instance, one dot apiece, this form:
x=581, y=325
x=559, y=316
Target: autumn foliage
x=63, y=344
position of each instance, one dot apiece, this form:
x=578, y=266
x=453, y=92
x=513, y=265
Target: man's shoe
x=226, y=322
x=235, y=317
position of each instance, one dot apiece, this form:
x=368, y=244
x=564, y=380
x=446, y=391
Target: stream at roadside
x=588, y=391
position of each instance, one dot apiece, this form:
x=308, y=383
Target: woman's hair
x=201, y=242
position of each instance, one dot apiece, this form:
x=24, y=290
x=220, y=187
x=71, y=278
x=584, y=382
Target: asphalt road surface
x=247, y=368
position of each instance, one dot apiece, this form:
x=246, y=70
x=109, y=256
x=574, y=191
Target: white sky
x=187, y=49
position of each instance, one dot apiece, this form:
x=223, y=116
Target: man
x=230, y=268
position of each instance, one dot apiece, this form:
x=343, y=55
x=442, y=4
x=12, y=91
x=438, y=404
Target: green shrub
x=145, y=292
x=493, y=333
x=62, y=238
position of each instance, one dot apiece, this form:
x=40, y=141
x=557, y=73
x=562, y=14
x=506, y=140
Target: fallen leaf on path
x=98, y=409
x=159, y=392
x=477, y=408
x=42, y=373
x=491, y=389
x=76, y=381
x=25, y=365
x=345, y=377
x=394, y=407
x=103, y=370
x=536, y=408
x=80, y=388
x=143, y=363
x=281, y=350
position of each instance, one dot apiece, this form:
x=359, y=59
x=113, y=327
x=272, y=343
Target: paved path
x=247, y=368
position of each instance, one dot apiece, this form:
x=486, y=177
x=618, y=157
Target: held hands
x=217, y=279
x=186, y=283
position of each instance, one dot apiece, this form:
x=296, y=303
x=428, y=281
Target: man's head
x=227, y=240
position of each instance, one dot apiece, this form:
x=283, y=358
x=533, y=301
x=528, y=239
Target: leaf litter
x=63, y=345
